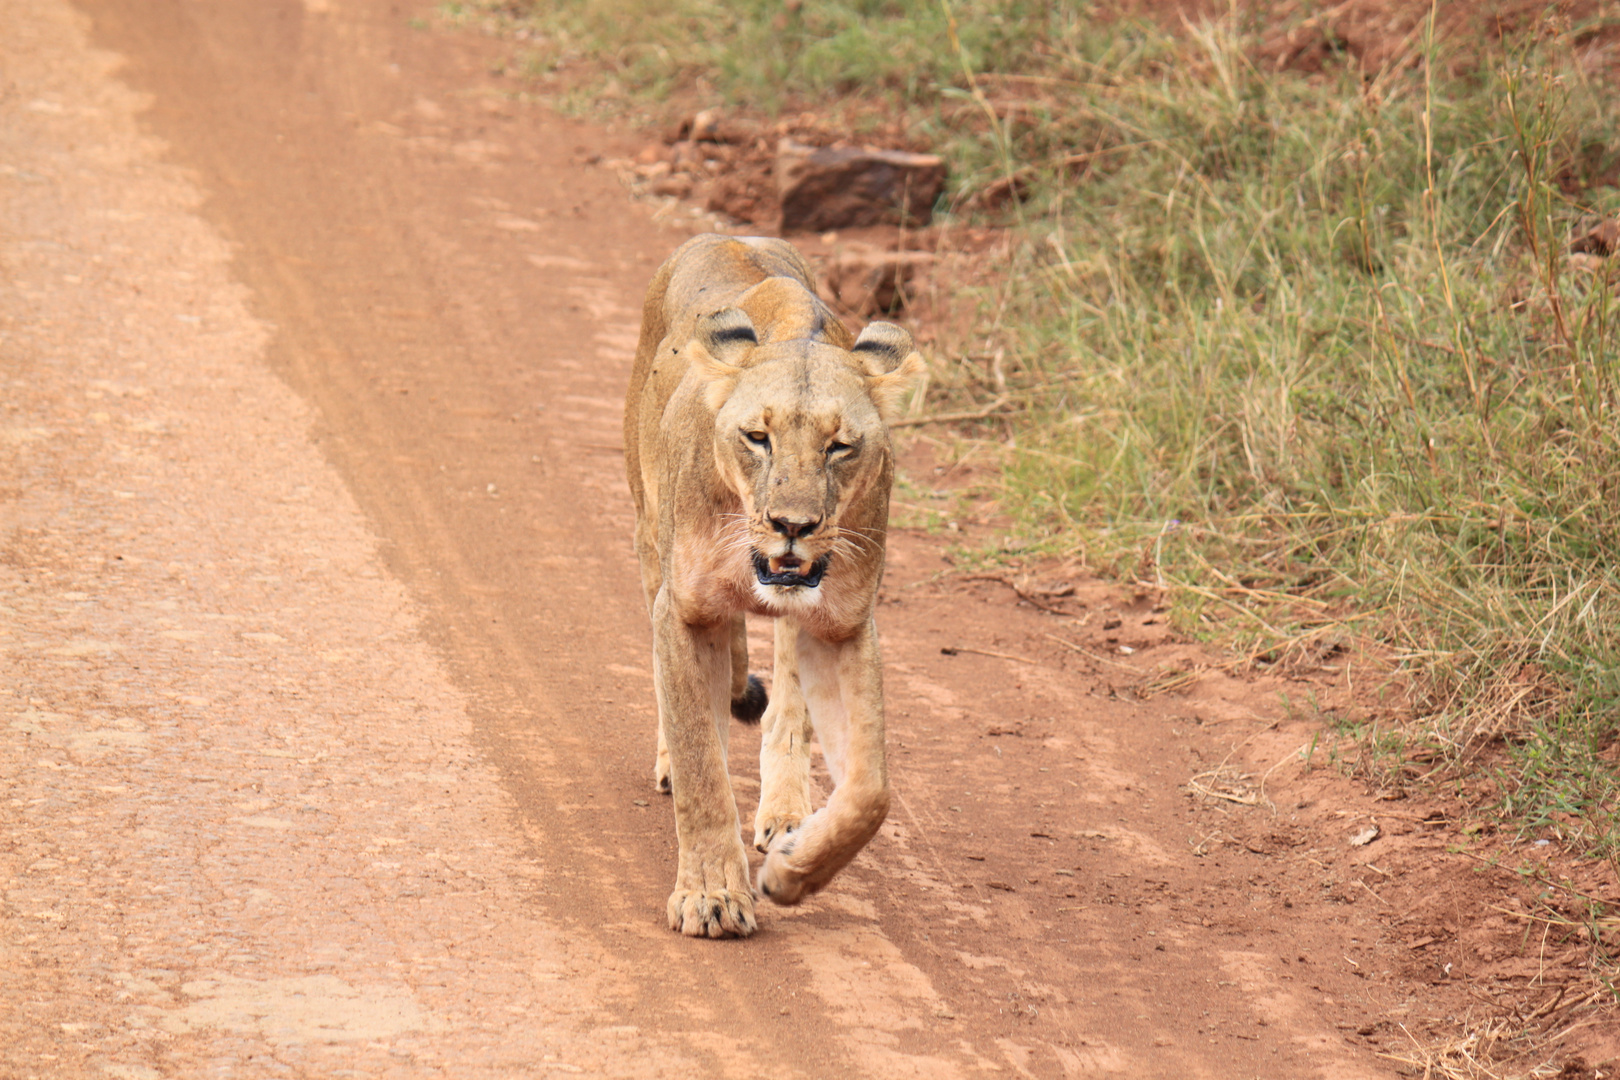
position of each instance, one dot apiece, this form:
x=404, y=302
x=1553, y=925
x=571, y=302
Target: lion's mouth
x=789, y=571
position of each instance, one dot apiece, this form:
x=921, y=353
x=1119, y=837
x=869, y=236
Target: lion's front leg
x=843, y=687
x=784, y=748
x=712, y=896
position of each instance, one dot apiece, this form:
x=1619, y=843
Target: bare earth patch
x=325, y=690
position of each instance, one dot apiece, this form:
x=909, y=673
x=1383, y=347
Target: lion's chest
x=710, y=590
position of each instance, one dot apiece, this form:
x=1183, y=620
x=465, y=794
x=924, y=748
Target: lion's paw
x=780, y=881
x=725, y=913
x=661, y=779
x=767, y=827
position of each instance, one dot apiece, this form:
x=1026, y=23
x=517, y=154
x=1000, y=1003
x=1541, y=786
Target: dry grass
x=1481, y=1050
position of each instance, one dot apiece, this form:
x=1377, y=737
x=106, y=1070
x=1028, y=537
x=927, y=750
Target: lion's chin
x=788, y=571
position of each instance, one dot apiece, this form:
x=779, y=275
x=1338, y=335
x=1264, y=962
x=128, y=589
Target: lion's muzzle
x=787, y=572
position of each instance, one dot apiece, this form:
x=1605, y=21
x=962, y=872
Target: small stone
x=686, y=156
x=706, y=126
x=1365, y=836
x=678, y=185
x=714, y=127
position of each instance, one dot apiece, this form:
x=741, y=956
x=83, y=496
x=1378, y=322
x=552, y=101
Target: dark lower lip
x=762, y=570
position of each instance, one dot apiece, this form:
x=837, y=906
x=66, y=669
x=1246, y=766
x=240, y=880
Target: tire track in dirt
x=456, y=298
x=246, y=826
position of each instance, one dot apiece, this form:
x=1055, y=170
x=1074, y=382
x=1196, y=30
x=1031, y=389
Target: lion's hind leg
x=784, y=747
x=661, y=778
x=748, y=698
x=661, y=764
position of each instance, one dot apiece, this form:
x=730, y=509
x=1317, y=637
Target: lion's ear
x=727, y=335
x=883, y=347
x=893, y=363
x=720, y=343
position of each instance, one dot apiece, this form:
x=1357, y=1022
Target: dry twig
x=1224, y=783
x=952, y=650
x=1025, y=594
x=1091, y=655
x=951, y=418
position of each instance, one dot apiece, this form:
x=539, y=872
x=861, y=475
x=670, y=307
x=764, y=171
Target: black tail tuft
x=751, y=706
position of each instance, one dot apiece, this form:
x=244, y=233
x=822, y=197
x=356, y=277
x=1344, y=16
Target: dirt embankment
x=325, y=684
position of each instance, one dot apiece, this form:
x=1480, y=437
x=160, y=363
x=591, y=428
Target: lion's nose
x=794, y=527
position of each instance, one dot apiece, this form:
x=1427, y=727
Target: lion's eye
x=834, y=449
x=758, y=438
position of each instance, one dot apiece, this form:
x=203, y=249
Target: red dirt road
x=327, y=676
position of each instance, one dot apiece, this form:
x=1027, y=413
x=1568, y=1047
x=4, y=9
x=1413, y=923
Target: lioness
x=758, y=453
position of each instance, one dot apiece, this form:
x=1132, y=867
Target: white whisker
x=853, y=540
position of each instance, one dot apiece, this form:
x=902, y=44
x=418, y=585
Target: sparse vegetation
x=1332, y=355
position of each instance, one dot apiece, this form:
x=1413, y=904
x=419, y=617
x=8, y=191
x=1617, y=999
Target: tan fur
x=754, y=429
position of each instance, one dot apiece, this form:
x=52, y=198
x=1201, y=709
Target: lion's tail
x=751, y=705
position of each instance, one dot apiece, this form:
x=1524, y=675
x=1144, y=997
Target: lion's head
x=801, y=437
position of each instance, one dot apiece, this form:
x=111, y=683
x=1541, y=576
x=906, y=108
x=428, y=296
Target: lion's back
x=710, y=271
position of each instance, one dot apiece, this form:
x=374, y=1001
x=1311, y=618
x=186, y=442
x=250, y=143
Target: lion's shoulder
x=709, y=272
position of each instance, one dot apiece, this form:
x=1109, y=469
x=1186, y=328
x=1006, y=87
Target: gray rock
x=843, y=188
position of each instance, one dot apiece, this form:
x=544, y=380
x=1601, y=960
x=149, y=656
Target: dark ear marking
x=728, y=334
x=882, y=346
x=725, y=331
x=722, y=344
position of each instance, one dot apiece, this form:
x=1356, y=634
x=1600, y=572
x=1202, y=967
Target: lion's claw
x=769, y=829
x=726, y=913
x=779, y=879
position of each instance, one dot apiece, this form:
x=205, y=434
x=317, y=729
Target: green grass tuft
x=1322, y=345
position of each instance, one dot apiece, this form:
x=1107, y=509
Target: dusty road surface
x=324, y=678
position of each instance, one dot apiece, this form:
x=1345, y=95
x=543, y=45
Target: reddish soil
x=327, y=678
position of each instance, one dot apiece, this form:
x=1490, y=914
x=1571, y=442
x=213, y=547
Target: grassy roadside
x=1332, y=356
